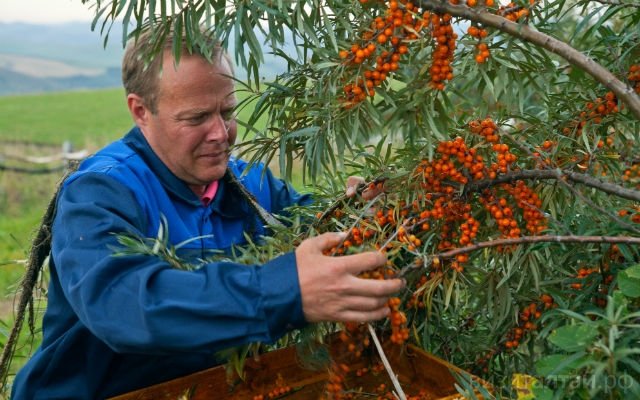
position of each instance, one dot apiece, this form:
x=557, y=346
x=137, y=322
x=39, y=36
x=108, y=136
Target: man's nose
x=218, y=129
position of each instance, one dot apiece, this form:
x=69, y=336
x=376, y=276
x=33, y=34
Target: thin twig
x=385, y=362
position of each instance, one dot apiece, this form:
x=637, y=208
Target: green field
x=85, y=118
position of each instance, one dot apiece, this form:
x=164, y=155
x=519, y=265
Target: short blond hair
x=141, y=74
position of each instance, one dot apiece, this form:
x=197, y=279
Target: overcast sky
x=45, y=11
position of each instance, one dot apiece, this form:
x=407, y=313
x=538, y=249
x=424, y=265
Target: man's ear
x=138, y=110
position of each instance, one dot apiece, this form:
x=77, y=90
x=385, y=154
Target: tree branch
x=623, y=92
x=558, y=174
x=538, y=239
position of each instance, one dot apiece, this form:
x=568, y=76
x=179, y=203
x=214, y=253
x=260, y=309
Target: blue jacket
x=118, y=323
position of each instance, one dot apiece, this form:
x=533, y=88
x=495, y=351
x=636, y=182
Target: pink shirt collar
x=209, y=193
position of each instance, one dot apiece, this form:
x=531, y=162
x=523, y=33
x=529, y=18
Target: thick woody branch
x=558, y=174
x=539, y=239
x=623, y=92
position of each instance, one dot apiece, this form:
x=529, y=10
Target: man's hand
x=353, y=182
x=330, y=288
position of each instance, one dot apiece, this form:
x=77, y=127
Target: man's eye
x=198, y=119
x=228, y=115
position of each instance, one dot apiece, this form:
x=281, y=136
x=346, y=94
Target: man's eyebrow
x=190, y=113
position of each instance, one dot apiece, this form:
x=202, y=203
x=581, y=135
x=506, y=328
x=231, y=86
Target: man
x=118, y=323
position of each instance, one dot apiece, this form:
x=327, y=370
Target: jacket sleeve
x=140, y=304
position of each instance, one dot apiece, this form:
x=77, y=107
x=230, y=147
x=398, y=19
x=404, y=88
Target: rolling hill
x=44, y=58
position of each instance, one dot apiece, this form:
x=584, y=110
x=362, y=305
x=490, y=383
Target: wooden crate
x=416, y=370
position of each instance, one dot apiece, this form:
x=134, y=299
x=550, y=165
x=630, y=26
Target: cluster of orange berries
x=502, y=214
x=482, y=49
x=527, y=319
x=582, y=274
x=632, y=174
x=335, y=382
x=514, y=12
x=601, y=107
x=595, y=111
x=486, y=128
x=399, y=330
x=396, y=28
x=435, y=173
x=281, y=389
x=401, y=24
x=585, y=274
x=504, y=158
x=543, y=162
x=526, y=324
x=526, y=199
x=457, y=211
x=411, y=240
x=478, y=33
x=473, y=3
x=442, y=33
x=530, y=203
x=457, y=162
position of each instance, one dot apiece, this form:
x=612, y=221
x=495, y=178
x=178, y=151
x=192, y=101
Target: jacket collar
x=228, y=202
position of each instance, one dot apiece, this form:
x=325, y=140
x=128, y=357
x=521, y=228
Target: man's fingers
x=375, y=287
x=327, y=240
x=373, y=191
x=364, y=316
x=366, y=261
x=362, y=303
x=352, y=185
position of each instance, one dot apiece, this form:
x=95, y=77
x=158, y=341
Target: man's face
x=194, y=125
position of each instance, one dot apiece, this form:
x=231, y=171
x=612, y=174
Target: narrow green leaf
x=329, y=25
x=152, y=9
x=254, y=45
x=126, y=18
x=177, y=37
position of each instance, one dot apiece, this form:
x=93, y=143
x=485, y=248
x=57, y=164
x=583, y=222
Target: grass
x=86, y=118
